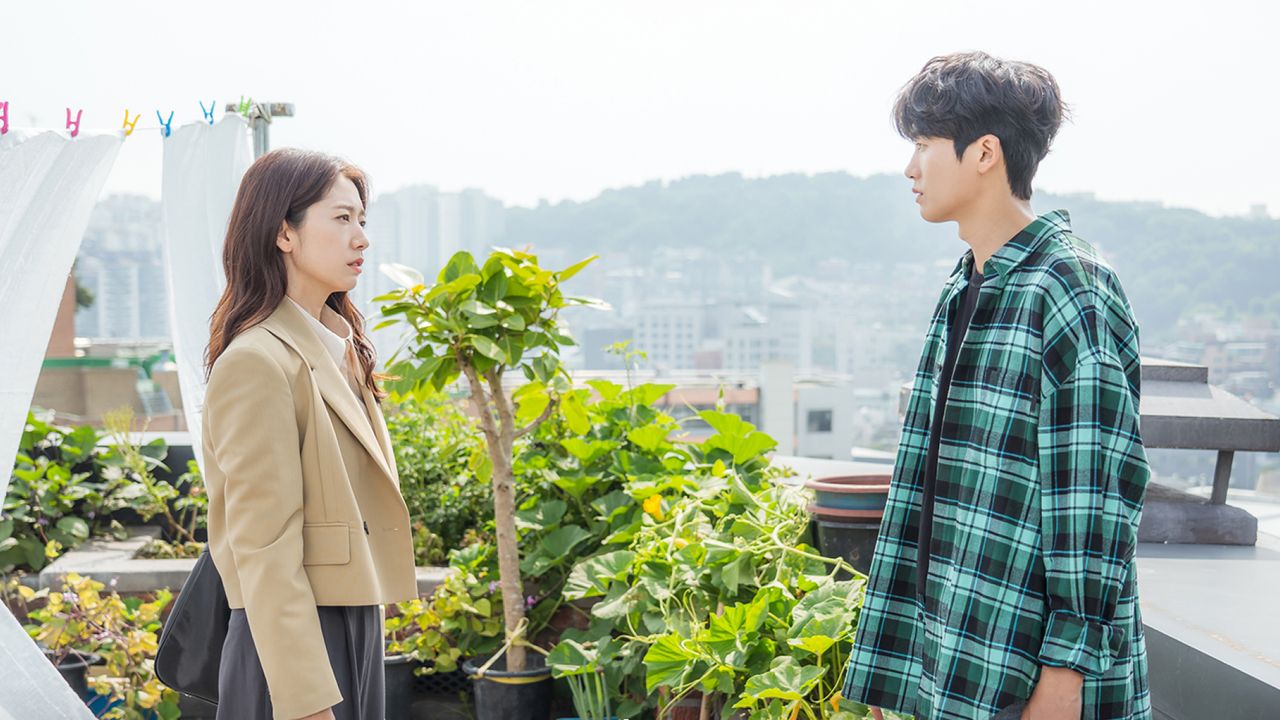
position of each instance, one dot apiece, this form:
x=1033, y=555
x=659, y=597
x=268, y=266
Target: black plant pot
x=399, y=686
x=74, y=668
x=847, y=512
x=502, y=695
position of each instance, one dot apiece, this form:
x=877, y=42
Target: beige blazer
x=304, y=501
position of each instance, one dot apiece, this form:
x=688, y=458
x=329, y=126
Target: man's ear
x=285, y=239
x=990, y=153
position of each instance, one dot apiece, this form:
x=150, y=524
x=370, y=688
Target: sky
x=530, y=101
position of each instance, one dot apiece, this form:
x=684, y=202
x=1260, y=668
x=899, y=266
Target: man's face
x=943, y=185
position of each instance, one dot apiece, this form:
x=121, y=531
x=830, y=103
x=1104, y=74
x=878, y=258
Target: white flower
x=112, y=472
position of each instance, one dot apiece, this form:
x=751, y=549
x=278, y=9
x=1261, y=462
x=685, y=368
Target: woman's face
x=323, y=255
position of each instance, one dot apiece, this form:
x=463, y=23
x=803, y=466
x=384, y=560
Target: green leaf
x=786, y=680
x=488, y=348
x=736, y=436
x=560, y=541
x=587, y=451
x=738, y=572
x=543, y=515
x=74, y=527
x=607, y=390
x=531, y=399
x=475, y=307
x=459, y=265
x=649, y=437
x=666, y=663
x=575, y=268
x=575, y=485
x=593, y=577
x=574, y=414
x=646, y=394
x=570, y=657
x=496, y=286
x=6, y=528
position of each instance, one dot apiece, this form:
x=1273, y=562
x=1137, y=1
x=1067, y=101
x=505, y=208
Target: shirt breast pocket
x=326, y=544
x=1007, y=401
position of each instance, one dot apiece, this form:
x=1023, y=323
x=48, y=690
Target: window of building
x=819, y=421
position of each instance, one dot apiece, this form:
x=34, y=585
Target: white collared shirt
x=338, y=346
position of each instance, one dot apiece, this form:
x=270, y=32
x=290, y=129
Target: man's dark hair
x=964, y=96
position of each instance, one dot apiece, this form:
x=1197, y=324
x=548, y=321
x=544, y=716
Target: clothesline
x=246, y=108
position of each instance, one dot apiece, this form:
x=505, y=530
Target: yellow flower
x=52, y=548
x=653, y=506
x=416, y=289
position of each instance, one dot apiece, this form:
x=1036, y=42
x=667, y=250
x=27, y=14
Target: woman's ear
x=286, y=240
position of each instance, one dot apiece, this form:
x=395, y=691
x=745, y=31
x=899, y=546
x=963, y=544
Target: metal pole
x=1221, y=477
x=260, y=116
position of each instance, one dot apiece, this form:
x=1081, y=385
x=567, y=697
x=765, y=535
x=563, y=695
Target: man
x=1003, y=583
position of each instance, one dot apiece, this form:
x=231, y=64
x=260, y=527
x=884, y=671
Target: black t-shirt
x=968, y=301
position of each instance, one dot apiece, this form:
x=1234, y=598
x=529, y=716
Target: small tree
x=479, y=323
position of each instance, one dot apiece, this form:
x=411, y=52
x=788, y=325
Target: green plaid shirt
x=1040, y=481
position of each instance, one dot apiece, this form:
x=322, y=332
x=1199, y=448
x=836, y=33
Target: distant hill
x=1170, y=260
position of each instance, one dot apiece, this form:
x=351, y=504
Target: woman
x=306, y=523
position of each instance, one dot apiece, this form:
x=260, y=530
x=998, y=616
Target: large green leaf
x=785, y=680
x=559, y=542
x=575, y=485
x=574, y=414
x=649, y=437
x=594, y=576
x=666, y=663
x=570, y=657
x=460, y=264
x=543, y=515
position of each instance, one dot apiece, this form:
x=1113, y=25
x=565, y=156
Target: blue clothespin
x=208, y=112
x=4, y=117
x=74, y=127
x=164, y=124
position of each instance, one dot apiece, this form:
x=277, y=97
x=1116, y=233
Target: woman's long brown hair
x=279, y=187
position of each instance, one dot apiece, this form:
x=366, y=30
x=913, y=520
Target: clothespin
x=74, y=127
x=4, y=117
x=208, y=112
x=164, y=124
x=244, y=106
x=128, y=126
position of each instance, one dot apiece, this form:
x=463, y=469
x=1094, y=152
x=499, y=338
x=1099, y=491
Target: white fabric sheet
x=48, y=186
x=203, y=165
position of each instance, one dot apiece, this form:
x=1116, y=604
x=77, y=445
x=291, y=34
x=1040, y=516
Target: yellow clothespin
x=128, y=126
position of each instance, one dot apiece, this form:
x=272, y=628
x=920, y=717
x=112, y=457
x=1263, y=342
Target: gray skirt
x=353, y=639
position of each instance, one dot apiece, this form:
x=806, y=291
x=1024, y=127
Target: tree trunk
x=504, y=516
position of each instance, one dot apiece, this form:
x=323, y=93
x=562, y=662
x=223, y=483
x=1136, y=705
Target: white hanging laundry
x=48, y=186
x=203, y=165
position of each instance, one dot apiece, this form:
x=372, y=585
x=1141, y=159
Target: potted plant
x=480, y=323
x=847, y=511
x=122, y=632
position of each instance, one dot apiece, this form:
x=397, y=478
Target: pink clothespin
x=128, y=126
x=74, y=127
x=4, y=117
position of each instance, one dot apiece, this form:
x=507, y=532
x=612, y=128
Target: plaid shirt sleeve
x=1093, y=475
